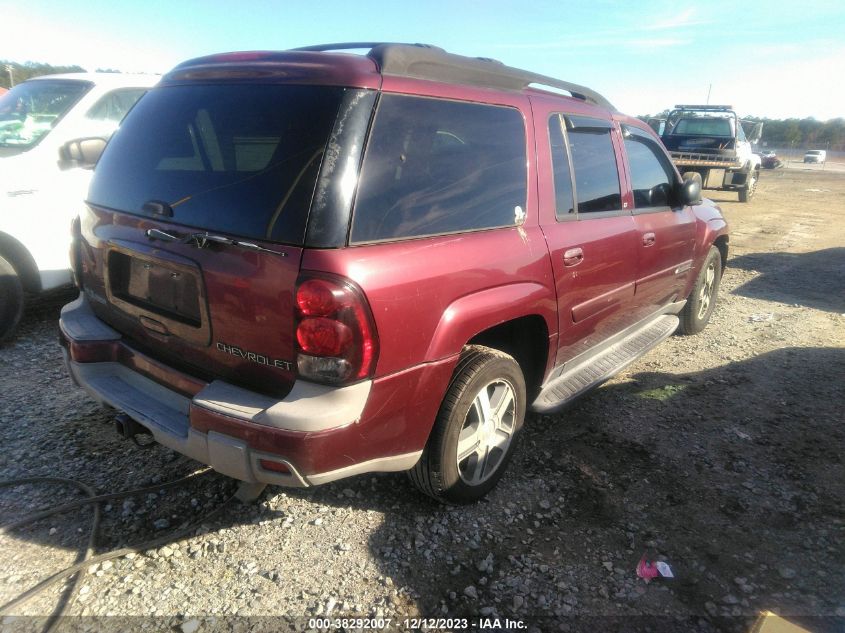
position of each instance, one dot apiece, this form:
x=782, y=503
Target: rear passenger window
x=114, y=106
x=652, y=177
x=594, y=163
x=564, y=204
x=434, y=166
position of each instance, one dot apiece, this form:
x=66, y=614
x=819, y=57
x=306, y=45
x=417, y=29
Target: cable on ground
x=85, y=558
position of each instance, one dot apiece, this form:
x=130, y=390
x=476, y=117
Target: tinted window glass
x=596, y=175
x=560, y=165
x=240, y=159
x=651, y=176
x=435, y=166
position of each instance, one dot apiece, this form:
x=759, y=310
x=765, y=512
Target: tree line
x=15, y=72
x=803, y=133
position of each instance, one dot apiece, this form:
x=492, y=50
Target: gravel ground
x=721, y=454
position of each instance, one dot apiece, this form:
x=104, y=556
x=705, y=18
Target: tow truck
x=710, y=140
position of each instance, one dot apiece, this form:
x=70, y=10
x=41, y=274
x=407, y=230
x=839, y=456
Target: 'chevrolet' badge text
x=261, y=359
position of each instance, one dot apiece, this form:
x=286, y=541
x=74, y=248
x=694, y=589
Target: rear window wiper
x=201, y=240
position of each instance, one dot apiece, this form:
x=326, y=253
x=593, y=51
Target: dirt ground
x=721, y=454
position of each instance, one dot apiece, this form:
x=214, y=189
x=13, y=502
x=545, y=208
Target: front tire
x=702, y=299
x=11, y=299
x=747, y=192
x=476, y=430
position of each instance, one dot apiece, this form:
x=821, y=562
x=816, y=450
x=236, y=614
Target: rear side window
x=594, y=163
x=652, y=177
x=114, y=106
x=234, y=158
x=434, y=166
x=564, y=205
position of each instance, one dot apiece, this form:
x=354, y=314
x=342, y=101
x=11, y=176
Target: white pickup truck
x=39, y=192
x=710, y=140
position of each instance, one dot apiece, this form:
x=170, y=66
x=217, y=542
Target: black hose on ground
x=85, y=559
x=66, y=599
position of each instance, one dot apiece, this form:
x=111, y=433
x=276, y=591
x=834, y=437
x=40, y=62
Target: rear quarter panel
x=430, y=296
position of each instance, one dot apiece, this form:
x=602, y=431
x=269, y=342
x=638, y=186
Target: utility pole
x=710, y=87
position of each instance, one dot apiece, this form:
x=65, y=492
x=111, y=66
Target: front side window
x=652, y=177
x=30, y=110
x=235, y=158
x=434, y=166
x=594, y=162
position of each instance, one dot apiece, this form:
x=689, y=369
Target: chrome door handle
x=573, y=257
x=649, y=239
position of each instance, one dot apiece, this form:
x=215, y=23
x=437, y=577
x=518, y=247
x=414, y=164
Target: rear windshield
x=238, y=159
x=704, y=127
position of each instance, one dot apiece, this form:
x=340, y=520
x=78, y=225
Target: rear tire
x=476, y=430
x=702, y=299
x=11, y=299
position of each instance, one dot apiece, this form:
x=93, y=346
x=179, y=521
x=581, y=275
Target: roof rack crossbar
x=423, y=61
x=688, y=106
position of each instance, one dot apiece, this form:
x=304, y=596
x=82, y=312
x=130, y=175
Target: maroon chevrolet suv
x=300, y=266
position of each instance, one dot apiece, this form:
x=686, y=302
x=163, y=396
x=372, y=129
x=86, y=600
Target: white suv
x=38, y=192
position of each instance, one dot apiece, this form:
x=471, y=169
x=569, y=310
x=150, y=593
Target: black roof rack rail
x=348, y=46
x=423, y=61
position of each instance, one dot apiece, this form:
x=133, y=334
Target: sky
x=775, y=59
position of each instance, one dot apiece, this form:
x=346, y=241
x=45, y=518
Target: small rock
x=317, y=521
x=161, y=524
x=485, y=610
x=607, y=565
x=53, y=531
x=190, y=626
x=545, y=504
x=518, y=601
x=471, y=592
x=787, y=572
x=165, y=552
x=730, y=599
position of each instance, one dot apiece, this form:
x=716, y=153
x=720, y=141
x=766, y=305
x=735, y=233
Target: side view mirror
x=81, y=153
x=689, y=192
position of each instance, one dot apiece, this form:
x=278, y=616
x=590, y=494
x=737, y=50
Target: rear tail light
x=335, y=334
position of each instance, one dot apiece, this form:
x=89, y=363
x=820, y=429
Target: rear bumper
x=315, y=435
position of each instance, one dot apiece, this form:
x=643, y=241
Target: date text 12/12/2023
x=417, y=624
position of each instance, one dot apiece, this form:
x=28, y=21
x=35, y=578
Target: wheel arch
x=527, y=340
x=18, y=255
x=508, y=318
